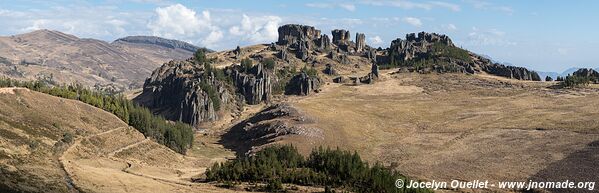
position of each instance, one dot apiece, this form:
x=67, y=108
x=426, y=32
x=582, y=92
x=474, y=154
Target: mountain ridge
x=60, y=58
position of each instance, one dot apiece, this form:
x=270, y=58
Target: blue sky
x=542, y=35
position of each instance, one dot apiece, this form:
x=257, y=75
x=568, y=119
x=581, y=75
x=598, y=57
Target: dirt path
x=63, y=162
x=111, y=154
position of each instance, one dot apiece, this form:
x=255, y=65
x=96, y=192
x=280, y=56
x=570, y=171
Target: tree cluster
x=438, y=54
x=177, y=136
x=572, y=81
x=323, y=167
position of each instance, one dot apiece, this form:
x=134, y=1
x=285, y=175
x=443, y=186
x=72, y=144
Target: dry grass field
x=466, y=127
x=104, y=154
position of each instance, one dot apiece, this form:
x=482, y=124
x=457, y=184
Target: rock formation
x=271, y=124
x=440, y=55
x=283, y=55
x=182, y=91
x=514, y=72
x=255, y=86
x=360, y=42
x=341, y=38
x=413, y=47
x=590, y=73
x=324, y=43
x=329, y=70
x=294, y=35
x=237, y=52
x=302, y=51
x=303, y=84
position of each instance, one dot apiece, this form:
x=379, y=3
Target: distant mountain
x=158, y=41
x=61, y=58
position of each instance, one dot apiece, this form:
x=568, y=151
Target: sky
x=544, y=35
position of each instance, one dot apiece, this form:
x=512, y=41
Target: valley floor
x=468, y=127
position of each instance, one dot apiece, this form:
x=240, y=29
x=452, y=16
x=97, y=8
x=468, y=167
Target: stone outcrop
x=426, y=46
x=271, y=124
x=292, y=33
x=514, y=72
x=179, y=90
x=360, y=42
x=371, y=54
x=340, y=36
x=339, y=57
x=283, y=55
x=324, y=42
x=237, y=52
x=374, y=70
x=303, y=84
x=413, y=47
x=590, y=73
x=329, y=70
x=302, y=52
x=255, y=86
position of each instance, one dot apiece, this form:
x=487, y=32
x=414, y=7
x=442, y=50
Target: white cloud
x=449, y=6
x=413, y=21
x=376, y=40
x=261, y=29
x=451, y=27
x=81, y=21
x=485, y=5
x=492, y=37
x=563, y=51
x=405, y=4
x=505, y=9
x=346, y=6
x=319, y=5
x=178, y=21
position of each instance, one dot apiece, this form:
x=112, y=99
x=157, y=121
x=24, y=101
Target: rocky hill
x=431, y=52
x=60, y=58
x=300, y=62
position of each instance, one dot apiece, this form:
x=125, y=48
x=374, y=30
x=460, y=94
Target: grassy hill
x=51, y=144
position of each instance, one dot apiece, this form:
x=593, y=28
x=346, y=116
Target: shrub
x=324, y=167
x=67, y=137
x=246, y=64
x=269, y=63
x=572, y=81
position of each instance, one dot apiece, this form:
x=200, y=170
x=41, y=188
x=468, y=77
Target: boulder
x=329, y=70
x=237, y=52
x=303, y=84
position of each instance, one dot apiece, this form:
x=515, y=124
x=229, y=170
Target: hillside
x=423, y=106
x=50, y=144
x=63, y=59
